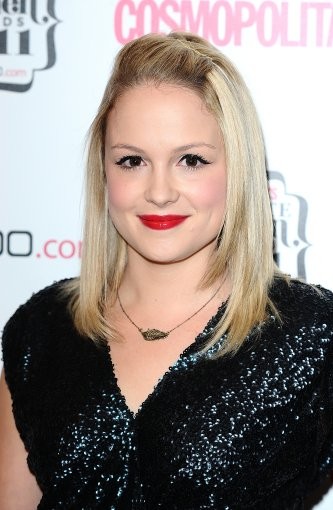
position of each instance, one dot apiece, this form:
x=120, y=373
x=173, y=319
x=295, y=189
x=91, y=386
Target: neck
x=148, y=282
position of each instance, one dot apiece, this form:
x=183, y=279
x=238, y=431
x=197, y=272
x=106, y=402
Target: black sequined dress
x=254, y=431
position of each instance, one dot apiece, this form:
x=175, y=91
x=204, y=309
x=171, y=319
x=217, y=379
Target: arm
x=18, y=487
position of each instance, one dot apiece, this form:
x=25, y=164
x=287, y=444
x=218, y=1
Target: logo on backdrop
x=26, y=41
x=21, y=243
x=266, y=23
x=290, y=215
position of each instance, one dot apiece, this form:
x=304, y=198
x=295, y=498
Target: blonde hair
x=244, y=246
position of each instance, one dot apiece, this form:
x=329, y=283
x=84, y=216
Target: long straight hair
x=244, y=245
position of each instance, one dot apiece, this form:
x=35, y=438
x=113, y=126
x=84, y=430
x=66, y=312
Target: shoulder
x=299, y=329
x=302, y=304
x=35, y=324
x=40, y=307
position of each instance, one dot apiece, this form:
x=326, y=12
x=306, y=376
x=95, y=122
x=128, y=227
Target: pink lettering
x=46, y=249
x=141, y=17
x=191, y=23
x=304, y=26
x=170, y=22
x=330, y=32
x=228, y=22
x=320, y=7
x=64, y=252
x=79, y=249
x=268, y=8
x=216, y=24
x=120, y=16
x=285, y=41
x=243, y=21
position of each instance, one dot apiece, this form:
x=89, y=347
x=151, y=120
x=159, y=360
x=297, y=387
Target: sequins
x=251, y=431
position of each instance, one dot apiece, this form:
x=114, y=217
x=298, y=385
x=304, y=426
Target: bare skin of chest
x=140, y=364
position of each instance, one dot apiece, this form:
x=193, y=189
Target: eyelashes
x=132, y=161
x=192, y=161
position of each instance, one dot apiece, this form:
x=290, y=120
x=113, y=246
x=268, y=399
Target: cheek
x=119, y=194
x=212, y=194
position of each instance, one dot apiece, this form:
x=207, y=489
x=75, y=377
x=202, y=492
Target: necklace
x=157, y=334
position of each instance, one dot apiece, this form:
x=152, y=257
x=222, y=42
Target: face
x=166, y=173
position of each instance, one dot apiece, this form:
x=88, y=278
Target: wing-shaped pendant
x=154, y=334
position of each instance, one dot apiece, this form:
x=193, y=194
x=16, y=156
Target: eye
x=130, y=161
x=193, y=161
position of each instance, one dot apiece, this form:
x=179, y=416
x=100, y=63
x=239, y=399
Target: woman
x=182, y=370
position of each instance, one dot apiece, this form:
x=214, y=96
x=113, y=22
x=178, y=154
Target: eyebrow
x=178, y=149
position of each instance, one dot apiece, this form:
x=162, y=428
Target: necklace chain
x=157, y=334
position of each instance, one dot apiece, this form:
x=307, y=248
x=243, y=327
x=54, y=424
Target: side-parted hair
x=244, y=245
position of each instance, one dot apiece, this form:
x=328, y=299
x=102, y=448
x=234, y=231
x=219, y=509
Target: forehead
x=162, y=109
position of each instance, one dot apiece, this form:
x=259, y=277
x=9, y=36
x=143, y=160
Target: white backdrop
x=55, y=58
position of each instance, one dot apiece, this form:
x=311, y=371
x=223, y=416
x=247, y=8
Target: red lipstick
x=161, y=222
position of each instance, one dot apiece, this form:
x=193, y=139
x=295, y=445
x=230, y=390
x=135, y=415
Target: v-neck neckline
x=194, y=346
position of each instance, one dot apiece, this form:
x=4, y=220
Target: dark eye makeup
x=194, y=160
x=191, y=161
x=132, y=161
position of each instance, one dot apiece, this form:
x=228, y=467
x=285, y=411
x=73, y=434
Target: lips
x=156, y=222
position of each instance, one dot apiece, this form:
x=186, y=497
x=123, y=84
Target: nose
x=161, y=187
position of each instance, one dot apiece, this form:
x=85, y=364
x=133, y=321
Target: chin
x=166, y=258
x=162, y=259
